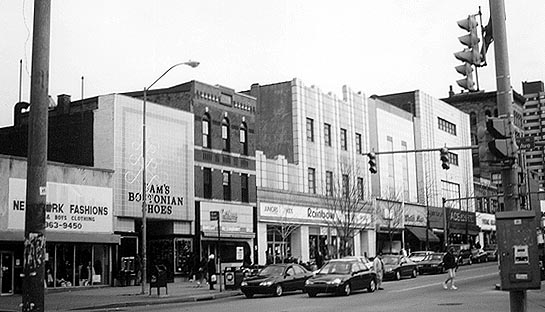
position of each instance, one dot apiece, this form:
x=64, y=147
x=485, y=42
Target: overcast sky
x=377, y=47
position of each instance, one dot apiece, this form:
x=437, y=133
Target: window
x=244, y=188
x=329, y=183
x=327, y=134
x=226, y=185
x=310, y=130
x=243, y=139
x=206, y=131
x=344, y=147
x=360, y=188
x=446, y=126
x=451, y=191
x=207, y=182
x=312, y=180
x=346, y=185
x=225, y=135
x=358, y=143
x=391, y=168
x=453, y=158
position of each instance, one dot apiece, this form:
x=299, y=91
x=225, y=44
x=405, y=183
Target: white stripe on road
x=435, y=284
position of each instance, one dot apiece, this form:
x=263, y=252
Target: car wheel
x=311, y=294
x=248, y=295
x=347, y=289
x=413, y=275
x=278, y=290
x=398, y=276
x=372, y=286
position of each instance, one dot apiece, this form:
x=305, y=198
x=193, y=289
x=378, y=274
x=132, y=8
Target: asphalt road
x=476, y=293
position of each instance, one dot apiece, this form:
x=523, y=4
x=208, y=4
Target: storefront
x=487, y=223
x=390, y=226
x=418, y=234
x=462, y=226
x=302, y=233
x=80, y=243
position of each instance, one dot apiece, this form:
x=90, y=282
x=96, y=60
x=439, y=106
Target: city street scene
x=272, y=156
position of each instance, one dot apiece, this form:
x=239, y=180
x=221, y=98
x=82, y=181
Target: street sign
x=214, y=215
x=526, y=142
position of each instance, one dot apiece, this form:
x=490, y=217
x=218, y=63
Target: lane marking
x=435, y=284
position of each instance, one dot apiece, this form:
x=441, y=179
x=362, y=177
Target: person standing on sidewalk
x=449, y=263
x=378, y=267
x=211, y=269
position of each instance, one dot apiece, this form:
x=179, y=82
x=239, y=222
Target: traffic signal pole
x=517, y=298
x=34, y=244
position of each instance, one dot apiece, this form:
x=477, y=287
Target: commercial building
x=312, y=144
x=534, y=114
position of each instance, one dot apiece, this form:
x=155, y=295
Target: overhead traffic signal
x=495, y=141
x=372, y=162
x=445, y=158
x=471, y=56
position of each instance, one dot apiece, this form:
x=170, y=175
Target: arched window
x=243, y=139
x=206, y=141
x=225, y=135
x=473, y=119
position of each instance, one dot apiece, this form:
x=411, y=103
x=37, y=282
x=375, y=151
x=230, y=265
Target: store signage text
x=159, y=199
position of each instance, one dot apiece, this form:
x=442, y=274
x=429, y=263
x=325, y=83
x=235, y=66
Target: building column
x=369, y=243
x=262, y=243
x=299, y=243
x=357, y=245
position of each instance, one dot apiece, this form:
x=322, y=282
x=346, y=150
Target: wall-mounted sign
x=214, y=215
x=70, y=207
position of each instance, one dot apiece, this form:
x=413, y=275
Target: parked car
x=341, y=276
x=432, y=263
x=398, y=266
x=275, y=279
x=491, y=252
x=462, y=253
x=418, y=256
x=478, y=256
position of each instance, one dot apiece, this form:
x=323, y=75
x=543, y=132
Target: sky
x=377, y=47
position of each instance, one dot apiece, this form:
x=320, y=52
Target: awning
x=420, y=233
x=57, y=237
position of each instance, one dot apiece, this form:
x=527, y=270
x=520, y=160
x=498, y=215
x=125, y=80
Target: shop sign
x=415, y=215
x=310, y=214
x=486, y=221
x=234, y=218
x=69, y=208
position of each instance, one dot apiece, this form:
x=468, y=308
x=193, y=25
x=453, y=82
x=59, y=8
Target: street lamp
x=144, y=165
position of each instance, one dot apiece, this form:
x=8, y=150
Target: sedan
x=275, y=279
x=478, y=256
x=398, y=266
x=432, y=264
x=341, y=276
x=418, y=256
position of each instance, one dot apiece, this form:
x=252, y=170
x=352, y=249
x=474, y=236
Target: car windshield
x=272, y=270
x=336, y=267
x=390, y=260
x=434, y=257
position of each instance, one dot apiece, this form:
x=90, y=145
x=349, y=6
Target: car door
x=299, y=278
x=357, y=275
x=366, y=275
x=289, y=279
x=405, y=269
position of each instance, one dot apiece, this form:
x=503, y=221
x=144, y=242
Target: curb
x=166, y=300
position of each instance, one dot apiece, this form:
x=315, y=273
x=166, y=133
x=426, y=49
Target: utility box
x=518, y=250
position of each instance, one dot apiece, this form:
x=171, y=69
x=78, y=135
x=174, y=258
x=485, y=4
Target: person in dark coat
x=449, y=263
x=211, y=269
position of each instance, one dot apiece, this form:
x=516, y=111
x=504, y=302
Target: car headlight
x=388, y=270
x=267, y=283
x=335, y=281
x=244, y=284
x=309, y=282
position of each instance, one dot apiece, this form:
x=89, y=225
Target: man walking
x=449, y=262
x=378, y=267
x=211, y=269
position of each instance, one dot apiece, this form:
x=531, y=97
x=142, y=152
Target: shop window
x=183, y=254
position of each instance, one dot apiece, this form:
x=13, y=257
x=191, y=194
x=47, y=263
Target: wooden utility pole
x=36, y=185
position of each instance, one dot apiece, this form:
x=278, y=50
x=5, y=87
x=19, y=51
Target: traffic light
x=495, y=141
x=372, y=162
x=445, y=159
x=471, y=54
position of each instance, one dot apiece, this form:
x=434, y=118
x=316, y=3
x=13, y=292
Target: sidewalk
x=116, y=297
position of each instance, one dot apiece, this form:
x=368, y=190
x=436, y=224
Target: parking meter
x=518, y=250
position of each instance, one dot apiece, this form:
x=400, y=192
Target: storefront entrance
x=6, y=272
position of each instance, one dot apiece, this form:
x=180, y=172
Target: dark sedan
x=275, y=279
x=341, y=276
x=397, y=266
x=432, y=264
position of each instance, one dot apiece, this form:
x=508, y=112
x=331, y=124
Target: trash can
x=229, y=278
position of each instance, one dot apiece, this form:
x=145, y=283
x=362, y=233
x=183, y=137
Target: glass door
x=6, y=273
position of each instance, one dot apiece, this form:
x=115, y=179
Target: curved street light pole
x=144, y=186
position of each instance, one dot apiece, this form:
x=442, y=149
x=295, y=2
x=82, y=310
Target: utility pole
x=36, y=185
x=517, y=298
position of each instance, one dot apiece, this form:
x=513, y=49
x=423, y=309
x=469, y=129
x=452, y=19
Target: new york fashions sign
x=70, y=207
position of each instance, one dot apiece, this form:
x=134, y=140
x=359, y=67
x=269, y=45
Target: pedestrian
x=319, y=260
x=449, y=263
x=211, y=269
x=378, y=267
x=201, y=272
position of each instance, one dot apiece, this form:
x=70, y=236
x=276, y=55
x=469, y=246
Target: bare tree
x=284, y=228
x=390, y=208
x=429, y=191
x=350, y=209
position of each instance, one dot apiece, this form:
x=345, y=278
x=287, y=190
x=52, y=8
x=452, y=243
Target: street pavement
x=106, y=298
